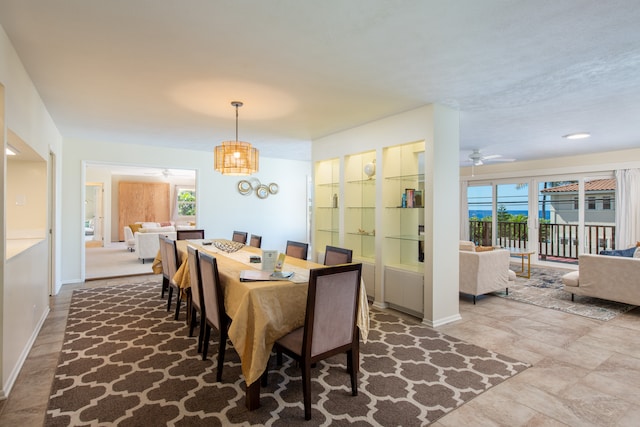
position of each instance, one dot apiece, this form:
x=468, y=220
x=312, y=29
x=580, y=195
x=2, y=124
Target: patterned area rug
x=126, y=362
x=544, y=289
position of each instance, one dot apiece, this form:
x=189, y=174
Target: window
x=591, y=203
x=606, y=203
x=186, y=201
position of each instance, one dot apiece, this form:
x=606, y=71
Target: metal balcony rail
x=554, y=240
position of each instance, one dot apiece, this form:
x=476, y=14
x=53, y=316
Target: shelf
x=370, y=181
x=327, y=230
x=355, y=233
x=414, y=177
x=361, y=207
x=415, y=238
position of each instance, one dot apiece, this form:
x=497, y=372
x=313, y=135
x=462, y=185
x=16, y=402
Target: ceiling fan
x=166, y=173
x=478, y=159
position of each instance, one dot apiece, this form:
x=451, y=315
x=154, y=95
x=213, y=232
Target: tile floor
x=585, y=372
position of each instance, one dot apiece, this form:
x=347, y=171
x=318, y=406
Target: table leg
x=528, y=266
x=253, y=395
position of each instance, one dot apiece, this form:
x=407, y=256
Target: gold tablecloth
x=261, y=312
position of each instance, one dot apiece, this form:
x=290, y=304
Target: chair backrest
x=163, y=257
x=332, y=307
x=170, y=258
x=128, y=234
x=334, y=255
x=255, y=241
x=189, y=234
x=194, y=277
x=212, y=296
x=240, y=236
x=297, y=249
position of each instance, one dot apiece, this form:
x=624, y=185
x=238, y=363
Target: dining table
x=261, y=312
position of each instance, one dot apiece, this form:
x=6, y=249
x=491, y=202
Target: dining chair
x=189, y=234
x=165, y=271
x=334, y=255
x=170, y=260
x=213, y=303
x=297, y=249
x=240, y=236
x=197, y=304
x=330, y=325
x=255, y=241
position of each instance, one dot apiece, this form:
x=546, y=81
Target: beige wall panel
x=142, y=201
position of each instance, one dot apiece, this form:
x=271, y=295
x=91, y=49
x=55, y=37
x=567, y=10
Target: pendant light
x=235, y=157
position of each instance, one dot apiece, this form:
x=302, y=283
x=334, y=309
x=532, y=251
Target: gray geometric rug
x=126, y=362
x=544, y=289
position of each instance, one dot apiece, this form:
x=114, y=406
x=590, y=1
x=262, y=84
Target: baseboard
x=443, y=321
x=13, y=376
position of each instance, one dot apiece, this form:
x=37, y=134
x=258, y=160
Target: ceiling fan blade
x=502, y=160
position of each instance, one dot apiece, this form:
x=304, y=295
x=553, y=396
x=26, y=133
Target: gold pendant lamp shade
x=236, y=157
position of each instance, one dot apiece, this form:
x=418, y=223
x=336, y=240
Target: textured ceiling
x=163, y=72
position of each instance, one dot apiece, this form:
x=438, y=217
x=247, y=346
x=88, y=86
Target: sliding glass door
x=558, y=218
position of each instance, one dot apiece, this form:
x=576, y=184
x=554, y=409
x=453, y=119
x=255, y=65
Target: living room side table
x=522, y=253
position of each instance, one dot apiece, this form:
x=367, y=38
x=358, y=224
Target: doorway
x=93, y=215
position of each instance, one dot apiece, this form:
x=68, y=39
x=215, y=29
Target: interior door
x=94, y=215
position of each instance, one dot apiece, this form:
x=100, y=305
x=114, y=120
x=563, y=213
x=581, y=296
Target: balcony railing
x=554, y=240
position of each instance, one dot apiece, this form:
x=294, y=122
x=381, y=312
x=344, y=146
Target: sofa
x=146, y=235
x=148, y=242
x=614, y=278
x=483, y=270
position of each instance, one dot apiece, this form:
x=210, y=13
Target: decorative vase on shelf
x=370, y=168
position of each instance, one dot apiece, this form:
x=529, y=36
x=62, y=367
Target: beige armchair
x=484, y=272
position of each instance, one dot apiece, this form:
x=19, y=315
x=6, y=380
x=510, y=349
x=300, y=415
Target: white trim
x=13, y=376
x=440, y=322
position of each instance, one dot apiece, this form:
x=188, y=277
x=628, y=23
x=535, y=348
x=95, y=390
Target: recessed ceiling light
x=578, y=135
x=10, y=151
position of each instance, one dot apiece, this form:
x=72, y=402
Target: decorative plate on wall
x=262, y=191
x=244, y=187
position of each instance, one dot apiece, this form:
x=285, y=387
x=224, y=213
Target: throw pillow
x=466, y=245
x=620, y=252
x=135, y=227
x=484, y=248
x=165, y=224
x=636, y=254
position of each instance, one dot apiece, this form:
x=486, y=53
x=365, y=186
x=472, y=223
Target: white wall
x=221, y=209
x=24, y=289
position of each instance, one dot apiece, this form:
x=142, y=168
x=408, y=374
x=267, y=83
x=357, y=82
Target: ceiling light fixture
x=236, y=157
x=577, y=135
x=10, y=151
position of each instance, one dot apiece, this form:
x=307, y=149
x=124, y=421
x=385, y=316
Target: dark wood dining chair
x=330, y=325
x=213, y=302
x=165, y=272
x=297, y=249
x=334, y=255
x=189, y=234
x=255, y=241
x=171, y=262
x=240, y=236
x=197, y=304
